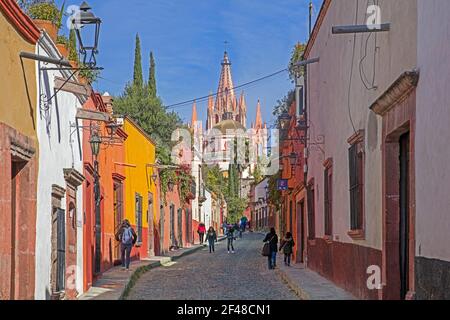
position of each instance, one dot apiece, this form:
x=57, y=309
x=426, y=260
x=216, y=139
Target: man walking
x=127, y=238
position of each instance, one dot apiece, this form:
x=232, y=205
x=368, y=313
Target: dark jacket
x=287, y=245
x=211, y=236
x=273, y=238
x=230, y=233
x=120, y=233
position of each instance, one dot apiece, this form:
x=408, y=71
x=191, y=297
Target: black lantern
x=285, y=120
x=154, y=178
x=88, y=45
x=171, y=185
x=95, y=142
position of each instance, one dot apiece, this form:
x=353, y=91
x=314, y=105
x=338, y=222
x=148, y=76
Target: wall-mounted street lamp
x=284, y=120
x=95, y=143
x=88, y=46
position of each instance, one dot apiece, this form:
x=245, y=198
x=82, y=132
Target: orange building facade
x=293, y=209
x=101, y=250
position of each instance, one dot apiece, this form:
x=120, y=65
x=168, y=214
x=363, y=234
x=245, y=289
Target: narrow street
x=220, y=276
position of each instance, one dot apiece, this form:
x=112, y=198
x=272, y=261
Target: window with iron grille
x=139, y=217
x=356, y=186
x=311, y=212
x=328, y=196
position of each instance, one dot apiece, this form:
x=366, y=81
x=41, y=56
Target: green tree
x=152, y=77
x=73, y=54
x=138, y=79
x=283, y=105
x=147, y=110
x=296, y=56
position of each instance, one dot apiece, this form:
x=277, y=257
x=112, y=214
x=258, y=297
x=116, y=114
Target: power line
x=204, y=98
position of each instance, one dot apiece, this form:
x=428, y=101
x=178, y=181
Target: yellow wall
x=139, y=151
x=17, y=95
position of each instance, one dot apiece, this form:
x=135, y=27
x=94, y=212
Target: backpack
x=127, y=236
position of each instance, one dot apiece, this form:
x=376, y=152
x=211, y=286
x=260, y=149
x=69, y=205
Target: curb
x=299, y=291
x=144, y=269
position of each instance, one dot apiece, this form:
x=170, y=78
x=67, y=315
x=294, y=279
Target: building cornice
x=21, y=22
x=73, y=177
x=398, y=91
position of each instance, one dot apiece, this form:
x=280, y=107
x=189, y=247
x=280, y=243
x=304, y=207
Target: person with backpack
x=272, y=240
x=230, y=239
x=127, y=238
x=211, y=237
x=287, y=245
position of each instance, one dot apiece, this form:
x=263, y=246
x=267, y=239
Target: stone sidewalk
x=116, y=283
x=309, y=285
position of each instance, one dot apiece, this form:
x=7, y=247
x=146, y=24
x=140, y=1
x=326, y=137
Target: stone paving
x=218, y=276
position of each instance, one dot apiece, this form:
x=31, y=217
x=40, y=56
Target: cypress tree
x=152, y=77
x=73, y=55
x=138, y=80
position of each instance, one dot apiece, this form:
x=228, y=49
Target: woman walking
x=211, y=237
x=201, y=232
x=287, y=245
x=272, y=239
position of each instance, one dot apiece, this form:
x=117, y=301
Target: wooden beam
x=72, y=87
x=93, y=115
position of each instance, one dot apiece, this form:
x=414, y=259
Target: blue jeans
x=272, y=260
x=211, y=246
x=126, y=252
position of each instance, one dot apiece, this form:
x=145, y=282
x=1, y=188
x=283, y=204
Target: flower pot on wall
x=49, y=27
x=63, y=50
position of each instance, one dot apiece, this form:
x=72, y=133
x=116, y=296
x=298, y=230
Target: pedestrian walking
x=236, y=229
x=224, y=227
x=230, y=239
x=127, y=238
x=287, y=245
x=201, y=232
x=272, y=239
x=211, y=237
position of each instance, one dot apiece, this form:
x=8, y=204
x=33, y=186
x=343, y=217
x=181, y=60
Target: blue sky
x=187, y=38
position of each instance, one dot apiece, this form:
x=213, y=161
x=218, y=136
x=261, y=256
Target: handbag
x=266, y=248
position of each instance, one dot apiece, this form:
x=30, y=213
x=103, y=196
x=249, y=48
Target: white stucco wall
x=207, y=210
x=58, y=150
x=329, y=112
x=432, y=130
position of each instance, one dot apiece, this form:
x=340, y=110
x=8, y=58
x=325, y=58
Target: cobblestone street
x=219, y=276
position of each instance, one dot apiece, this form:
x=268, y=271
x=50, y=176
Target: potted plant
x=62, y=43
x=46, y=16
x=86, y=75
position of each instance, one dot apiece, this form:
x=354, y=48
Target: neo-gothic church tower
x=226, y=106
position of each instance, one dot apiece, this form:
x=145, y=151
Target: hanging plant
x=62, y=39
x=88, y=74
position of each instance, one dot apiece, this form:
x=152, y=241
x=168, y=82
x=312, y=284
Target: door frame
x=397, y=108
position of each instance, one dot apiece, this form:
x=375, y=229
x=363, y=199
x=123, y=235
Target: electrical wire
x=369, y=85
x=204, y=98
x=351, y=72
